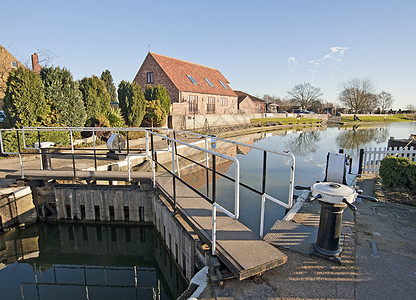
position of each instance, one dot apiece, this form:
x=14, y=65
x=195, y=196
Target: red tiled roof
x=242, y=95
x=177, y=70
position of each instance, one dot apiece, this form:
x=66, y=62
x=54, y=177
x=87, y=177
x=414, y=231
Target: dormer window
x=149, y=77
x=192, y=79
x=223, y=85
x=209, y=82
x=14, y=64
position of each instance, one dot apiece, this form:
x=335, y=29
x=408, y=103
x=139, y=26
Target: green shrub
x=10, y=144
x=398, y=172
x=155, y=115
x=115, y=117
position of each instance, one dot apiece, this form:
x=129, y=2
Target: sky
x=261, y=47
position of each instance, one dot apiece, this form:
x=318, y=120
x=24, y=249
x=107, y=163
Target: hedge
x=398, y=172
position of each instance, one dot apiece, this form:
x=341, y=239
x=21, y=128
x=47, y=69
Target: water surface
x=77, y=261
x=310, y=147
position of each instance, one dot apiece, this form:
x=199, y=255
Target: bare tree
x=358, y=95
x=385, y=101
x=410, y=107
x=271, y=99
x=304, y=94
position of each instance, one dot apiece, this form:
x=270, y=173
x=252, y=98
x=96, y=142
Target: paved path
x=390, y=274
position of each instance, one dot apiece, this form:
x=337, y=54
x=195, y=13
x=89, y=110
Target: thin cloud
x=292, y=61
x=335, y=54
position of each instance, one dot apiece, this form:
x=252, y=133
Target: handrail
x=282, y=153
x=172, y=142
x=215, y=205
x=263, y=192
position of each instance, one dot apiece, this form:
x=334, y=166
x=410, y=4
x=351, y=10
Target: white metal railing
x=175, y=158
x=215, y=205
x=264, y=195
x=372, y=157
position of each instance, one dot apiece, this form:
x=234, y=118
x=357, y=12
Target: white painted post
x=147, y=144
x=214, y=228
x=291, y=180
x=237, y=190
x=128, y=166
x=263, y=201
x=206, y=153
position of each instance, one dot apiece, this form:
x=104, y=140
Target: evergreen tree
x=64, y=95
x=148, y=93
x=160, y=93
x=109, y=84
x=155, y=116
x=24, y=101
x=124, y=94
x=95, y=96
x=131, y=102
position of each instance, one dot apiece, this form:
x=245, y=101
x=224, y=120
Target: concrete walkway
x=378, y=259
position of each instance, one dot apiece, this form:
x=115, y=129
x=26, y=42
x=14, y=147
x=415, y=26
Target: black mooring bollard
x=46, y=159
x=330, y=222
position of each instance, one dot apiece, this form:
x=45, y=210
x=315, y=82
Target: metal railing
x=150, y=152
x=211, y=199
x=261, y=192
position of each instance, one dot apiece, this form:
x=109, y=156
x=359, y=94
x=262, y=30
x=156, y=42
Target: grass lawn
x=375, y=118
x=284, y=121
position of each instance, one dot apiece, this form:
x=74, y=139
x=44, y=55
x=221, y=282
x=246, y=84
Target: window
x=209, y=82
x=193, y=104
x=14, y=64
x=97, y=212
x=223, y=85
x=192, y=79
x=126, y=213
x=259, y=108
x=68, y=211
x=211, y=105
x=224, y=101
x=82, y=208
x=149, y=77
x=112, y=216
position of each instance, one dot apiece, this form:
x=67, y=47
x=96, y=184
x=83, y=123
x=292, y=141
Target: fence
x=370, y=159
x=149, y=150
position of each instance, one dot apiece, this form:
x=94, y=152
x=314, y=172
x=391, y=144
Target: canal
x=81, y=261
x=310, y=147
x=93, y=261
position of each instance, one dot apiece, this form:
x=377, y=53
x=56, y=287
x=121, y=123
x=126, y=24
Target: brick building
x=193, y=88
x=249, y=104
x=7, y=63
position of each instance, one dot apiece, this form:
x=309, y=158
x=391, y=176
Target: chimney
x=35, y=63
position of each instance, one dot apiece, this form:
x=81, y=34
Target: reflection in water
x=74, y=261
x=305, y=142
x=357, y=138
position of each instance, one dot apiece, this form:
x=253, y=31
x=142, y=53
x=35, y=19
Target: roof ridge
x=188, y=62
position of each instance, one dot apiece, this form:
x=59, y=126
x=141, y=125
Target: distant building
x=272, y=107
x=193, y=88
x=7, y=63
x=249, y=104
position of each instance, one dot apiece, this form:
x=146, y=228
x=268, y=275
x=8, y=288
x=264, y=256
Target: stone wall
x=198, y=121
x=104, y=203
x=176, y=237
x=108, y=203
x=16, y=207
